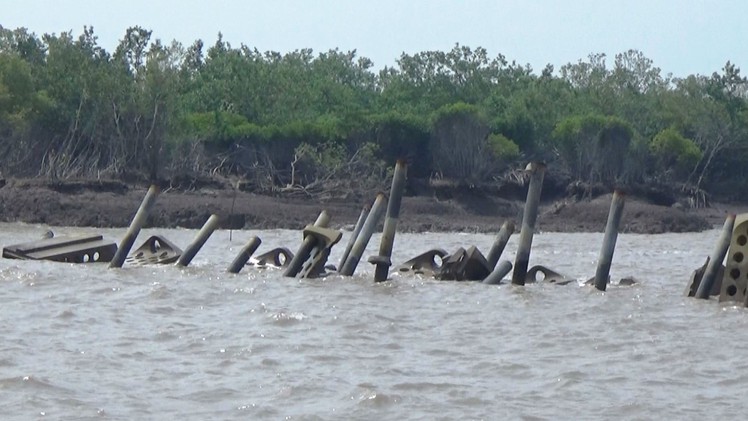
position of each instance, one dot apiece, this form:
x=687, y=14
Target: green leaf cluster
x=673, y=150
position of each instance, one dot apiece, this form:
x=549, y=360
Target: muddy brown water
x=86, y=342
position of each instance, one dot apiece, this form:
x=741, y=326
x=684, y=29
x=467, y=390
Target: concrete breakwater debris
x=311, y=257
x=724, y=274
x=78, y=249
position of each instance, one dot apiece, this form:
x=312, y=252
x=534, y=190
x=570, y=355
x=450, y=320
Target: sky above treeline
x=682, y=37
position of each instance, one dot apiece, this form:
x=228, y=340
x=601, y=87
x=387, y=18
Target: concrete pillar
x=609, y=240
x=530, y=215
x=293, y=268
x=715, y=261
x=363, y=238
x=383, y=260
x=244, y=254
x=498, y=274
x=141, y=216
x=506, y=231
x=354, y=234
x=197, y=243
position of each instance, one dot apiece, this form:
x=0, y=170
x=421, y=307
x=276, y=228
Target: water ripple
x=195, y=343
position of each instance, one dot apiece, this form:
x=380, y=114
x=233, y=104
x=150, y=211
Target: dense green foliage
x=148, y=110
x=674, y=151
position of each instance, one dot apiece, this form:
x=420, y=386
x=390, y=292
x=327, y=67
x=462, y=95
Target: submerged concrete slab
x=80, y=249
x=156, y=250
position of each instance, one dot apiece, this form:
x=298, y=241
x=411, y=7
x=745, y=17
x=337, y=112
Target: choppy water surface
x=85, y=342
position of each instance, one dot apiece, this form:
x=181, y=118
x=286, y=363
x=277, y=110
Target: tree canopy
x=154, y=110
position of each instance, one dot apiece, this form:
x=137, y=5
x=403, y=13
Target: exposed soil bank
x=113, y=204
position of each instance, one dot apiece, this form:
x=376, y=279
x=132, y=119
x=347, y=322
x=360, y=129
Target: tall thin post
x=301, y=256
x=609, y=240
x=244, y=254
x=141, y=216
x=497, y=248
x=354, y=234
x=375, y=214
x=197, y=243
x=530, y=215
x=383, y=260
x=715, y=261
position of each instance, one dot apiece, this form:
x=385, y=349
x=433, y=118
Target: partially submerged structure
x=310, y=260
x=728, y=281
x=77, y=249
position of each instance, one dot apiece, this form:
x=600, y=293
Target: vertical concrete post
x=609, y=240
x=530, y=215
x=715, y=261
x=244, y=254
x=301, y=256
x=354, y=234
x=197, y=243
x=506, y=231
x=363, y=238
x=141, y=216
x=498, y=274
x=383, y=260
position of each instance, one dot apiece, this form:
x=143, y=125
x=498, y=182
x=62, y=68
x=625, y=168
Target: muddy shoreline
x=112, y=204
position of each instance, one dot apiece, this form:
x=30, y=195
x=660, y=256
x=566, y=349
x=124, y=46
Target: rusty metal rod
x=375, y=214
x=197, y=243
x=529, y=217
x=383, y=260
x=244, y=254
x=715, y=261
x=301, y=256
x=141, y=216
x=609, y=240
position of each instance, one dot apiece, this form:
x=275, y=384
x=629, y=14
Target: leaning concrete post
x=197, y=243
x=530, y=215
x=137, y=223
x=301, y=256
x=506, y=231
x=364, y=236
x=715, y=261
x=498, y=274
x=354, y=234
x=383, y=261
x=244, y=254
x=609, y=240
